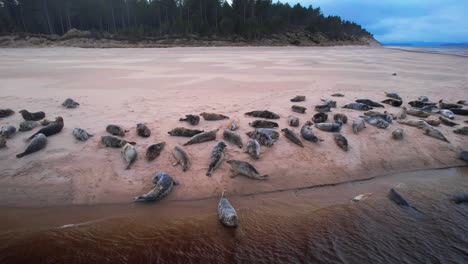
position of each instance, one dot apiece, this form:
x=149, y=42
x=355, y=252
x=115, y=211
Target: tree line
x=250, y=19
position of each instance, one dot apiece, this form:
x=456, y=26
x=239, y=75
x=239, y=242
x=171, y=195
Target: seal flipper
x=20, y=155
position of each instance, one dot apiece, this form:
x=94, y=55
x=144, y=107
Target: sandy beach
x=159, y=86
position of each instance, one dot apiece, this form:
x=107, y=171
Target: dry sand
x=158, y=86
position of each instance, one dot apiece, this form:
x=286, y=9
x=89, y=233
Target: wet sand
x=158, y=86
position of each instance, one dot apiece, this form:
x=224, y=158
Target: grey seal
x=463, y=102
x=253, y=149
x=358, y=125
x=114, y=142
x=461, y=131
x=376, y=121
x=202, y=137
x=392, y=102
x=444, y=105
x=263, y=114
x=447, y=121
x=217, y=155
x=337, y=95
x=330, y=127
x=164, y=185
x=246, y=169
x=397, y=134
x=184, y=132
x=263, y=124
x=129, y=154
x=423, y=99
x=45, y=122
x=38, y=142
x=308, y=134
x=341, y=141
x=398, y=198
x=116, y=130
x=417, y=113
x=332, y=103
x=233, y=124
x=192, y=119
x=270, y=132
x=433, y=122
x=213, y=116
x=143, y=130
x=415, y=123
x=320, y=118
x=298, y=109
x=227, y=215
x=28, y=125
x=81, y=134
x=459, y=111
x=393, y=95
x=6, y=113
x=369, y=102
x=447, y=113
x=292, y=136
x=181, y=157
x=402, y=114
x=358, y=106
x=233, y=137
x=432, y=132
x=154, y=151
x=342, y=117
x=429, y=108
x=323, y=108
x=70, y=103
x=7, y=131
x=263, y=138
x=293, y=121
x=298, y=98
x=32, y=116
x=420, y=104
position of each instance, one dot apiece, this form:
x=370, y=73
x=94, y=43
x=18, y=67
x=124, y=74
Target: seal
x=298, y=98
x=369, y=102
x=192, y=119
x=233, y=137
x=246, y=169
x=398, y=198
x=143, y=130
x=376, y=121
x=213, y=116
x=217, y=155
x=129, y=154
x=447, y=113
x=70, y=103
x=308, y=134
x=433, y=122
x=28, y=125
x=320, y=118
x=32, y=116
x=202, y=137
x=270, y=132
x=263, y=138
x=114, y=142
x=253, y=149
x=423, y=99
x=358, y=106
x=341, y=141
x=463, y=102
x=181, y=157
x=447, y=121
x=415, y=123
x=417, y=113
x=291, y=135
x=329, y=127
x=7, y=131
x=81, y=134
x=402, y=114
x=459, y=111
x=429, y=108
x=293, y=121
x=337, y=95
x=6, y=113
x=420, y=104
x=116, y=130
x=298, y=109
x=461, y=131
x=323, y=108
x=154, y=151
x=45, y=122
x=432, y=132
x=342, y=117
x=393, y=102
x=227, y=215
x=263, y=114
x=184, y=132
x=164, y=185
x=263, y=124
x=3, y=142
x=358, y=125
x=332, y=103
x=38, y=142
x=384, y=116
x=397, y=134
x=393, y=95
x=234, y=124
x=444, y=105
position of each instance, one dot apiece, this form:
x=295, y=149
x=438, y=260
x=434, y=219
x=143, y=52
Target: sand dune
x=158, y=86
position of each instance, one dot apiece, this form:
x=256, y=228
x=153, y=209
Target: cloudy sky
x=402, y=20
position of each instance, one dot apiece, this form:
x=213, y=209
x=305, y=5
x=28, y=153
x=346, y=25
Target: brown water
x=319, y=225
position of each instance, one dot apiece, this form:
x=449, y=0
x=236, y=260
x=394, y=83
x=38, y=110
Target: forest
x=250, y=19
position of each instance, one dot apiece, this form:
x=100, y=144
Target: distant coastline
x=447, y=49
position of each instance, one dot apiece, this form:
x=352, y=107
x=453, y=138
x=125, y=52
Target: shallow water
x=319, y=225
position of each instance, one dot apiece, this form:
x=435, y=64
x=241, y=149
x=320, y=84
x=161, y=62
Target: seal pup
x=369, y=102
x=393, y=102
x=184, y=132
x=116, y=130
x=397, y=134
x=433, y=122
x=298, y=98
x=337, y=95
x=393, y=95
x=376, y=121
x=415, y=123
x=459, y=111
x=32, y=116
x=263, y=114
x=70, y=103
x=27, y=125
x=402, y=114
x=263, y=138
x=154, y=151
x=444, y=105
x=81, y=134
x=233, y=138
x=420, y=104
x=246, y=169
x=270, y=132
x=227, y=215
x=298, y=109
x=253, y=149
x=6, y=113
x=7, y=131
x=129, y=154
x=342, y=117
x=320, y=118
x=308, y=134
x=217, y=155
x=143, y=130
x=358, y=125
x=447, y=121
x=114, y=142
x=341, y=141
x=463, y=102
x=423, y=99
x=37, y=143
x=192, y=119
x=447, y=113
x=234, y=124
x=330, y=127
x=432, y=132
x=202, y=137
x=181, y=157
x=291, y=135
x=293, y=121
x=332, y=103
x=461, y=131
x=213, y=116
x=398, y=198
x=45, y=122
x=263, y=124
x=3, y=142
x=323, y=108
x=164, y=185
x=358, y=106
x=417, y=113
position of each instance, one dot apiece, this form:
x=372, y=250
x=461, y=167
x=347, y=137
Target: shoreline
x=422, y=50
